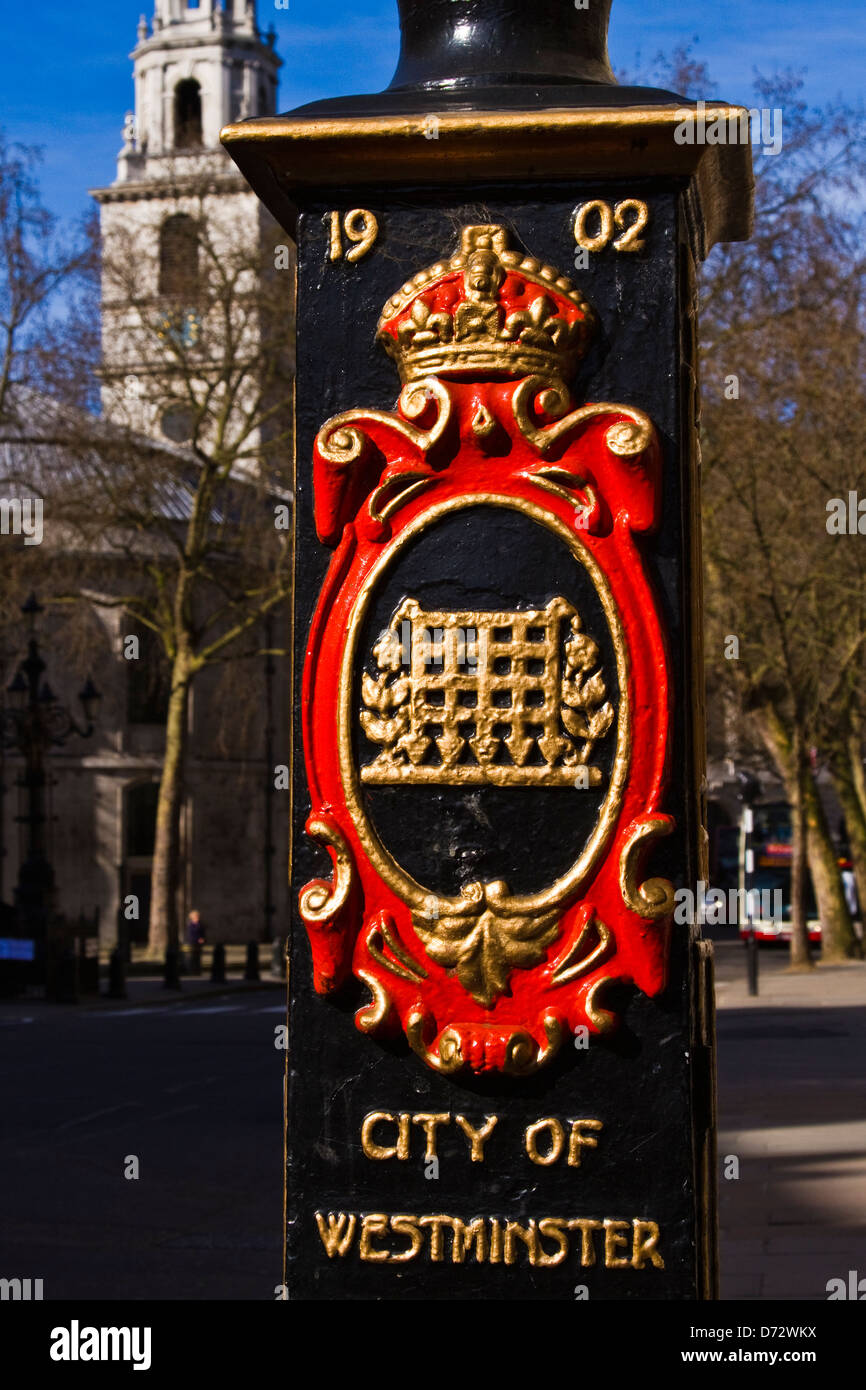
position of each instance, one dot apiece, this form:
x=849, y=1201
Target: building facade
x=196, y=67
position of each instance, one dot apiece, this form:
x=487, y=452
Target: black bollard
x=252, y=969
x=752, y=961
x=171, y=977
x=67, y=977
x=116, y=975
x=278, y=959
x=218, y=964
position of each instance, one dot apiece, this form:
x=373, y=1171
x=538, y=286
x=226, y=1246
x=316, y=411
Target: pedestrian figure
x=195, y=940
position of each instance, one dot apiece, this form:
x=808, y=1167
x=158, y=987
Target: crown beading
x=487, y=309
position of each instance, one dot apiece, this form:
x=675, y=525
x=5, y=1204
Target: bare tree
x=196, y=530
x=38, y=259
x=782, y=357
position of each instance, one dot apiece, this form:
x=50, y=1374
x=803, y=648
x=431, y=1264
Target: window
x=187, y=114
x=149, y=681
x=178, y=258
x=141, y=819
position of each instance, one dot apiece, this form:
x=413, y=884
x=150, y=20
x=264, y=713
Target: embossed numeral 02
x=360, y=227
x=596, y=221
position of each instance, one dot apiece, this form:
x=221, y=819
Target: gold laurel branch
x=625, y=438
x=655, y=897
x=320, y=901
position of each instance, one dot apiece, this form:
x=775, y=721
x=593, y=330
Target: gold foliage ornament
x=483, y=943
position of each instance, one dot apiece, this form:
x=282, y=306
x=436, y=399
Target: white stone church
x=198, y=66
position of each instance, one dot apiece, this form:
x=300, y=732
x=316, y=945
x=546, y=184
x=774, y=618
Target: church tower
x=199, y=65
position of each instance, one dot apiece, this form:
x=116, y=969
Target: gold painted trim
x=405, y=966
x=373, y=1015
x=561, y=483
x=448, y=1058
x=284, y=156
x=400, y=882
x=342, y=439
x=523, y=1054
x=317, y=901
x=572, y=965
x=395, y=497
x=601, y=1018
x=655, y=897
x=625, y=438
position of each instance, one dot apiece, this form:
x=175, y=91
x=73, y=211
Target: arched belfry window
x=187, y=114
x=178, y=258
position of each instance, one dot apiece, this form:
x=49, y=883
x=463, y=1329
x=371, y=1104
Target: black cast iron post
x=500, y=1064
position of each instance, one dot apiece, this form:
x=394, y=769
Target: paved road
x=194, y=1091
x=792, y=1102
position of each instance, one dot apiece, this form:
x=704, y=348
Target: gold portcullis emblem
x=487, y=699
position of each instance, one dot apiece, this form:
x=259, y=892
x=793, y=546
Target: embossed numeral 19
x=629, y=218
x=360, y=226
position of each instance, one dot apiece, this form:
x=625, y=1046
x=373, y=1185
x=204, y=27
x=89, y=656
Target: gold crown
x=487, y=309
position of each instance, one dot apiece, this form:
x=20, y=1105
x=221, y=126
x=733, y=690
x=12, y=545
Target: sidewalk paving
x=146, y=991
x=792, y=1111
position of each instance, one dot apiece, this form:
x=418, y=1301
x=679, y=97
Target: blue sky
x=66, y=79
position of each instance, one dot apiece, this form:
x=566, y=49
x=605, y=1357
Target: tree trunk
x=838, y=938
x=163, y=929
x=800, y=959
x=855, y=820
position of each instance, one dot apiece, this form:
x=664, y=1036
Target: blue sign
x=17, y=948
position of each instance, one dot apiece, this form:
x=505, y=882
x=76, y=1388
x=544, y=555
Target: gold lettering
x=587, y=1248
x=613, y=1239
x=436, y=1242
x=578, y=1140
x=406, y=1226
x=430, y=1123
x=557, y=1139
x=549, y=1226
x=528, y=1234
x=374, y=1225
x=337, y=1236
x=403, y=1137
x=465, y=1236
x=369, y=1145
x=338, y=1230
x=477, y=1137
x=646, y=1238
x=495, y=1241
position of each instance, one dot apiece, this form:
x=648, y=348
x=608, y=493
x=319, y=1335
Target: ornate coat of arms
x=487, y=661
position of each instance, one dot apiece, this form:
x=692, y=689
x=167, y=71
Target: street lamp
x=33, y=722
